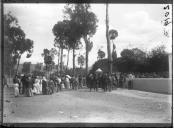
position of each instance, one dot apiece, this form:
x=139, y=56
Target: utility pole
x=108, y=41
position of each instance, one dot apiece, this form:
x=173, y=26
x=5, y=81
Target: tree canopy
x=158, y=59
x=15, y=42
x=136, y=60
x=101, y=54
x=60, y=30
x=82, y=15
x=113, y=34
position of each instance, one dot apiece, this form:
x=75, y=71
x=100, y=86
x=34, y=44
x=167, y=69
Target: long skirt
x=36, y=89
x=29, y=92
x=62, y=86
x=16, y=90
x=40, y=88
x=67, y=84
x=44, y=89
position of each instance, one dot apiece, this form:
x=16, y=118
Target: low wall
x=158, y=85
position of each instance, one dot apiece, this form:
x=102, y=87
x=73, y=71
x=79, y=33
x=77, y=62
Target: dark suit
x=29, y=85
x=44, y=86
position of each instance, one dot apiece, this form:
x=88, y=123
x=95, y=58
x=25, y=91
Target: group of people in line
x=109, y=82
x=29, y=85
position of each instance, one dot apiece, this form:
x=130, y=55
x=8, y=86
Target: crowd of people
x=109, y=82
x=29, y=85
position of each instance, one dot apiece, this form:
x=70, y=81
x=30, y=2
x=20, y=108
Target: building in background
x=32, y=68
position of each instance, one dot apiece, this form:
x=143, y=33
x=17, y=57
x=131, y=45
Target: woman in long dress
x=16, y=86
x=59, y=83
x=40, y=85
x=67, y=83
x=36, y=85
x=62, y=83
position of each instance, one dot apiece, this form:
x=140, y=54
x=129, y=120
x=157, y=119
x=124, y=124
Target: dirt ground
x=118, y=106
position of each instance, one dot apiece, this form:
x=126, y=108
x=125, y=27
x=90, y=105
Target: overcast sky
x=138, y=25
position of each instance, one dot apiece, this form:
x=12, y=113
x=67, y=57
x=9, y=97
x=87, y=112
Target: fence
x=158, y=85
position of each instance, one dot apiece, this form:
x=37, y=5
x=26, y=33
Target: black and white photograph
x=87, y=63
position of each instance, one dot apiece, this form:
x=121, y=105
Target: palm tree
x=108, y=41
x=112, y=35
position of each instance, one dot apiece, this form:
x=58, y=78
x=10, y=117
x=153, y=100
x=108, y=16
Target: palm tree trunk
x=108, y=41
x=86, y=42
x=18, y=65
x=67, y=59
x=73, y=61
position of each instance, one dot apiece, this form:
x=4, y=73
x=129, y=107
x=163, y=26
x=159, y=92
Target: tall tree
x=56, y=45
x=67, y=58
x=158, y=59
x=47, y=59
x=108, y=41
x=9, y=59
x=112, y=35
x=132, y=60
x=49, y=56
x=60, y=30
x=24, y=46
x=82, y=15
x=15, y=42
x=73, y=36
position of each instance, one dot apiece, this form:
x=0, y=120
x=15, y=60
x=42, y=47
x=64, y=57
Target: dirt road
x=118, y=106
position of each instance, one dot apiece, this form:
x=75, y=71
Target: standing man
x=130, y=82
x=113, y=82
x=95, y=82
x=59, y=83
x=29, y=87
x=105, y=82
x=23, y=81
x=90, y=81
x=44, y=86
x=116, y=81
x=84, y=81
x=20, y=84
x=109, y=82
x=67, y=82
x=80, y=81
